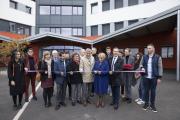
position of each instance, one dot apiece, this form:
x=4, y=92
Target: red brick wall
x=159, y=40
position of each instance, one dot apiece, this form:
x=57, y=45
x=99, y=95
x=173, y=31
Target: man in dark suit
x=109, y=56
x=108, y=52
x=116, y=63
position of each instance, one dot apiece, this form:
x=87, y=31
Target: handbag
x=38, y=77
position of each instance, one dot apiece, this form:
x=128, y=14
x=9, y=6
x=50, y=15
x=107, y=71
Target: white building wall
x=140, y=11
x=18, y=16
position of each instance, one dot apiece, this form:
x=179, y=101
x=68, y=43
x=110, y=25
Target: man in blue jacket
x=60, y=73
x=152, y=64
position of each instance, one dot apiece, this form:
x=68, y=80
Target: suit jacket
x=131, y=61
x=86, y=67
x=116, y=77
x=129, y=76
x=58, y=68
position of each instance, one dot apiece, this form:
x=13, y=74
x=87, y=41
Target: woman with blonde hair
x=45, y=68
x=101, y=79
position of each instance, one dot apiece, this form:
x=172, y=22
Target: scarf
x=49, y=67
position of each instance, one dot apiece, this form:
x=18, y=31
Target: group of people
x=87, y=74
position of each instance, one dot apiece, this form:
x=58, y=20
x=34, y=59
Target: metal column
x=178, y=47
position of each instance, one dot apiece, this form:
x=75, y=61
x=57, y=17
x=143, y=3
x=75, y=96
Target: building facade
x=107, y=16
x=18, y=16
x=66, y=17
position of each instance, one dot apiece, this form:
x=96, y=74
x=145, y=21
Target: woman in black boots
x=16, y=78
x=45, y=68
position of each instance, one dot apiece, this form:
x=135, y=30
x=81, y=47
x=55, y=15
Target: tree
x=6, y=48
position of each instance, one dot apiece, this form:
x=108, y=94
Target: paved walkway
x=168, y=105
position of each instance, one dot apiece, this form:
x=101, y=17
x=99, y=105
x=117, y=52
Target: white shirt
x=149, y=67
x=113, y=62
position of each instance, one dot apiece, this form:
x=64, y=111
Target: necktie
x=112, y=65
x=64, y=67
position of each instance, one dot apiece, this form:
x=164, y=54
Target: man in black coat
x=116, y=63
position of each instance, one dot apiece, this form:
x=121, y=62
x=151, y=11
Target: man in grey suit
x=129, y=61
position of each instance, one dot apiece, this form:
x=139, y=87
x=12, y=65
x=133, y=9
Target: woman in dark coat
x=75, y=79
x=101, y=71
x=45, y=68
x=16, y=78
x=139, y=100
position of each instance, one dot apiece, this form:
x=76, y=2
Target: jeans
x=76, y=92
x=141, y=90
x=150, y=90
x=60, y=93
x=86, y=91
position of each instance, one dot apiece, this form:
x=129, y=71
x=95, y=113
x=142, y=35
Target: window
x=94, y=30
x=77, y=31
x=146, y=1
x=119, y=25
x=69, y=49
x=94, y=8
x=44, y=10
x=58, y=30
x=105, y=5
x=130, y=22
x=134, y=51
x=42, y=30
x=27, y=31
x=20, y=30
x=80, y=31
x=58, y=10
x=118, y=4
x=66, y=10
x=105, y=29
x=77, y=11
x=13, y=4
x=53, y=10
x=53, y=30
x=66, y=31
x=28, y=9
x=132, y=2
x=12, y=27
x=145, y=51
x=167, y=52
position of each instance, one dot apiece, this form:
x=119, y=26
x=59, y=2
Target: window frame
x=65, y=13
x=49, y=11
x=28, y=9
x=167, y=50
x=15, y=4
x=92, y=6
x=104, y=3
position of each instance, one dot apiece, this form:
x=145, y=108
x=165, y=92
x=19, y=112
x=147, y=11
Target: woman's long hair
x=137, y=61
x=13, y=55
